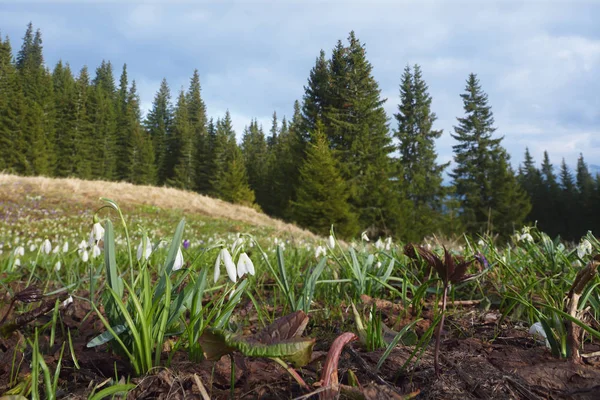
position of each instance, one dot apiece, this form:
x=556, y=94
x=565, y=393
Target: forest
x=338, y=160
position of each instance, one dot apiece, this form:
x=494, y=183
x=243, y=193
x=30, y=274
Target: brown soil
x=481, y=359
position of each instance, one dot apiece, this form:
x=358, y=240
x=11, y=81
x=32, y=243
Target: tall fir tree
x=13, y=143
x=38, y=119
x=482, y=177
x=254, y=149
x=585, y=198
x=158, y=124
x=125, y=127
x=316, y=96
x=356, y=127
x=83, y=126
x=419, y=174
x=530, y=179
x=198, y=126
x=67, y=136
x=103, y=120
x=568, y=199
x=322, y=198
x=182, y=147
x=230, y=179
x=142, y=169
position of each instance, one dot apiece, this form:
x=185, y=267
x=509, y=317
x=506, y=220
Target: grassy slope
x=83, y=196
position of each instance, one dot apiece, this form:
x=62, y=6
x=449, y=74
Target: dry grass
x=87, y=193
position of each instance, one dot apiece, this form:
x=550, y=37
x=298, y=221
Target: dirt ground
x=480, y=357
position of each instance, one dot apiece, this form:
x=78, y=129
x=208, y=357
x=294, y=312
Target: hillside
x=66, y=192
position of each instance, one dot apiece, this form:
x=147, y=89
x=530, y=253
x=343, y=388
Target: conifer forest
x=337, y=158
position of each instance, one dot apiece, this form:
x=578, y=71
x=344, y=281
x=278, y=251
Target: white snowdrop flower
x=82, y=245
x=275, y=240
x=331, y=242
x=46, y=247
x=379, y=245
x=32, y=247
x=526, y=237
x=67, y=301
x=225, y=257
x=480, y=243
x=388, y=244
x=378, y=265
x=178, y=260
x=17, y=240
x=96, y=234
x=244, y=265
x=85, y=256
x=65, y=247
x=538, y=330
x=364, y=236
x=584, y=248
x=320, y=251
x=57, y=266
x=144, y=251
x=96, y=251
x=19, y=251
x=17, y=262
x=55, y=250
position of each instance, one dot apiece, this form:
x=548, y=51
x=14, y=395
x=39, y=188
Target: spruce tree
x=356, y=127
x=550, y=209
x=158, y=124
x=530, y=179
x=482, y=177
x=205, y=164
x=103, y=120
x=182, y=147
x=67, y=137
x=230, y=179
x=586, y=206
x=322, y=194
x=418, y=173
x=568, y=199
x=83, y=126
x=316, y=96
x=13, y=143
x=254, y=149
x=142, y=169
x=123, y=146
x=198, y=121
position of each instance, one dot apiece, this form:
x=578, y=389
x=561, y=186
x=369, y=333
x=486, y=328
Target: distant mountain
x=594, y=169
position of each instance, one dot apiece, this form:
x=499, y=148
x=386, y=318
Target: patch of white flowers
x=584, y=248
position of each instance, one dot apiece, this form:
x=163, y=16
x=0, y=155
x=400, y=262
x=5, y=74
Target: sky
x=538, y=60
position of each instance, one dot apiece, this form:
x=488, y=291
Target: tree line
x=338, y=160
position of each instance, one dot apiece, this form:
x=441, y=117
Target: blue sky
x=539, y=61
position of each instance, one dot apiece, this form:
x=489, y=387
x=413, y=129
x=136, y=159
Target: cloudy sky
x=539, y=61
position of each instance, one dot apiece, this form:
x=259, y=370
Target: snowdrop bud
x=217, y=267
x=65, y=247
x=57, y=266
x=364, y=236
x=46, y=247
x=96, y=251
x=17, y=262
x=331, y=242
x=538, y=330
x=84, y=255
x=144, y=252
x=178, y=260
x=55, y=250
x=19, y=251
x=32, y=248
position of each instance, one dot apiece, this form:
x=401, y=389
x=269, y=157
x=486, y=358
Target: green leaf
x=170, y=260
x=112, y=274
x=106, y=336
x=112, y=390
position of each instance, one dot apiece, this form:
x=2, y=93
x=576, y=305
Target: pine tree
x=12, y=102
x=254, y=149
x=530, y=179
x=230, y=180
x=322, y=198
x=316, y=96
x=197, y=117
x=83, y=126
x=568, y=200
x=103, y=120
x=356, y=127
x=158, y=124
x=38, y=118
x=142, y=169
x=586, y=207
x=66, y=138
x=550, y=209
x=182, y=147
x=123, y=147
x=482, y=177
x=419, y=174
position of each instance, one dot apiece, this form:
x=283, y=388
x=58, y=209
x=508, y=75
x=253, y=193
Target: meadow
x=111, y=290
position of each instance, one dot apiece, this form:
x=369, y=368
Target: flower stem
x=438, y=334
